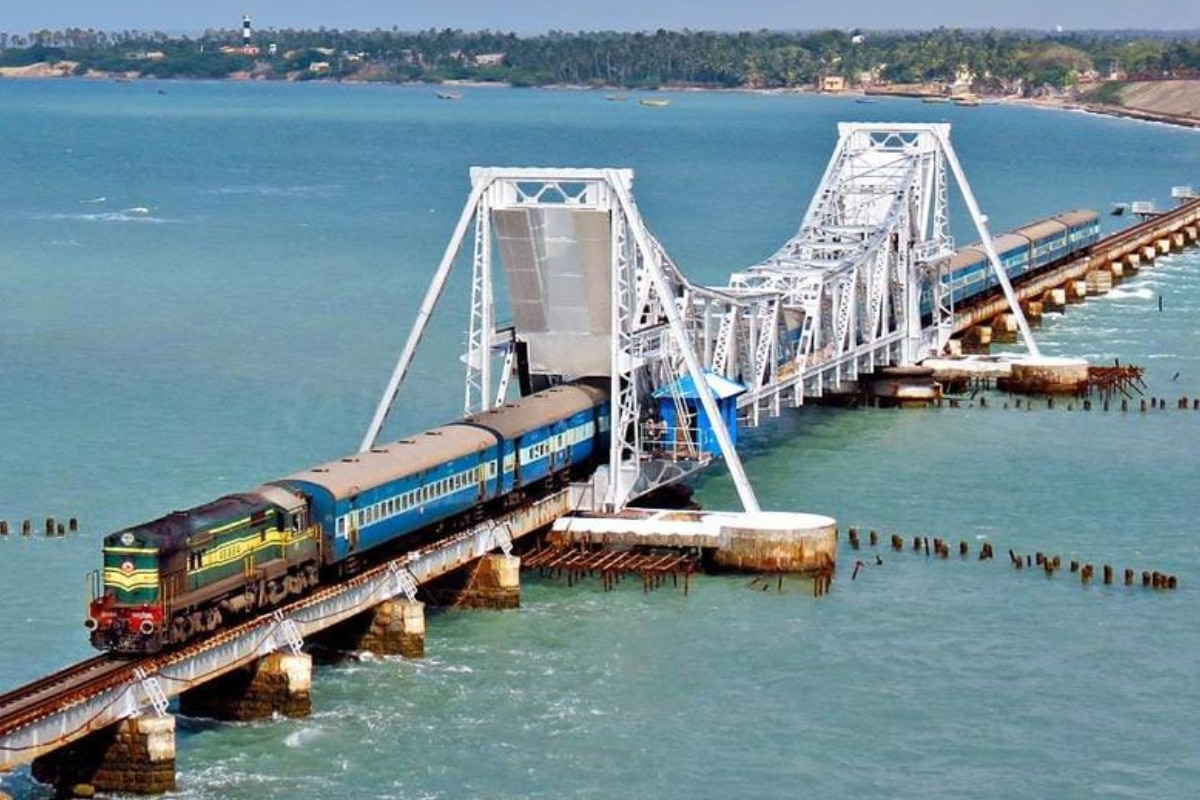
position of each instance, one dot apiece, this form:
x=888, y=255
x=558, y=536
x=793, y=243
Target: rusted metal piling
x=1050, y=564
x=584, y=560
x=52, y=527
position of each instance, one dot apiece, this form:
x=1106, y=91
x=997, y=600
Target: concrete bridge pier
x=135, y=756
x=977, y=339
x=1117, y=270
x=1178, y=242
x=280, y=683
x=1077, y=291
x=1005, y=329
x=393, y=628
x=1099, y=281
x=1149, y=253
x=495, y=582
x=1163, y=245
x=1054, y=299
x=1133, y=263
x=1190, y=232
x=1033, y=311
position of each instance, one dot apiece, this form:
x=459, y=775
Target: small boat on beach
x=615, y=98
x=656, y=102
x=933, y=99
x=449, y=95
x=968, y=102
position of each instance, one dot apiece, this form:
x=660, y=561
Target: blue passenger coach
x=376, y=497
x=1022, y=251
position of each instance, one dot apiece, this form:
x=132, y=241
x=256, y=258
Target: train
x=1021, y=251
x=174, y=579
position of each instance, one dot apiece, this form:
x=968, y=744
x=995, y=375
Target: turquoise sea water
x=231, y=309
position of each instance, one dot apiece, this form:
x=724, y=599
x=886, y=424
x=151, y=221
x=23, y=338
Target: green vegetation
x=993, y=61
x=1107, y=94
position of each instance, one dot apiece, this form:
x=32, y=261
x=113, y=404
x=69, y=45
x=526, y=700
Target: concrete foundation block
x=495, y=582
x=1005, y=328
x=1099, y=281
x=136, y=756
x=1077, y=291
x=777, y=542
x=1054, y=299
x=397, y=628
x=277, y=684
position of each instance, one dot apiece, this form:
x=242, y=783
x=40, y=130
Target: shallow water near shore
x=207, y=288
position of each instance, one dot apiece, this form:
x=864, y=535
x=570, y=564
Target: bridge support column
x=396, y=628
x=1099, y=281
x=280, y=683
x=495, y=582
x=1076, y=291
x=1055, y=299
x=977, y=339
x=135, y=756
x=1163, y=245
x=1004, y=328
x=1178, y=242
x=1033, y=310
x=1117, y=270
x=1149, y=253
x=1190, y=233
x=1133, y=262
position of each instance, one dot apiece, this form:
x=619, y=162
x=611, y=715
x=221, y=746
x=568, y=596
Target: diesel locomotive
x=187, y=574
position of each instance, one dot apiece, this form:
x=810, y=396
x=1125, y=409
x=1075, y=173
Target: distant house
x=251, y=50
x=489, y=59
x=832, y=83
x=319, y=67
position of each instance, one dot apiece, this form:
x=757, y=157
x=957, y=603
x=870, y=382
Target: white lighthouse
x=247, y=31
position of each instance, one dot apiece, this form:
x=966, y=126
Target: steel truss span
x=591, y=292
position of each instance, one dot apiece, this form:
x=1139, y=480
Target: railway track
x=26, y=703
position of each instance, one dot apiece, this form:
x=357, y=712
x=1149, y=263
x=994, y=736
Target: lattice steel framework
x=860, y=285
x=646, y=339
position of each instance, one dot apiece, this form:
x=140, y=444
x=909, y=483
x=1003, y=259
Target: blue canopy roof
x=722, y=388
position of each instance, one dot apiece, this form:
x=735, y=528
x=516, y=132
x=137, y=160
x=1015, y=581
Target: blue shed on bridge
x=676, y=433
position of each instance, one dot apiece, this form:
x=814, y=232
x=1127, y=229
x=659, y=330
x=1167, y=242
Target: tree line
x=996, y=60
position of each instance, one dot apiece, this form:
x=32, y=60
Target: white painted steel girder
x=592, y=293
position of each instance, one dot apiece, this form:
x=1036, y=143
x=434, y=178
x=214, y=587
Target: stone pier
x=1005, y=329
x=136, y=756
x=392, y=628
x=494, y=582
x=1077, y=291
x=1046, y=375
x=280, y=683
x=1099, y=281
x=977, y=339
x=1054, y=299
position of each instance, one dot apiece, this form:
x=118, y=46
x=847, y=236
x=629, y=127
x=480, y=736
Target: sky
x=536, y=16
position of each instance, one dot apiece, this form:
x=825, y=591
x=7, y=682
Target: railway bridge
x=588, y=291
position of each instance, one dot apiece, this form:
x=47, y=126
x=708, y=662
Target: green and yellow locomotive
x=185, y=574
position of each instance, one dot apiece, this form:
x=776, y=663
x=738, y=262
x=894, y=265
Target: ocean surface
x=205, y=285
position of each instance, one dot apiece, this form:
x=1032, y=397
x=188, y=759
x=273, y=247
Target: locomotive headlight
x=91, y=623
x=127, y=567
x=146, y=628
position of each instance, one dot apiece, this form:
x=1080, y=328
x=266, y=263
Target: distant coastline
x=1181, y=109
